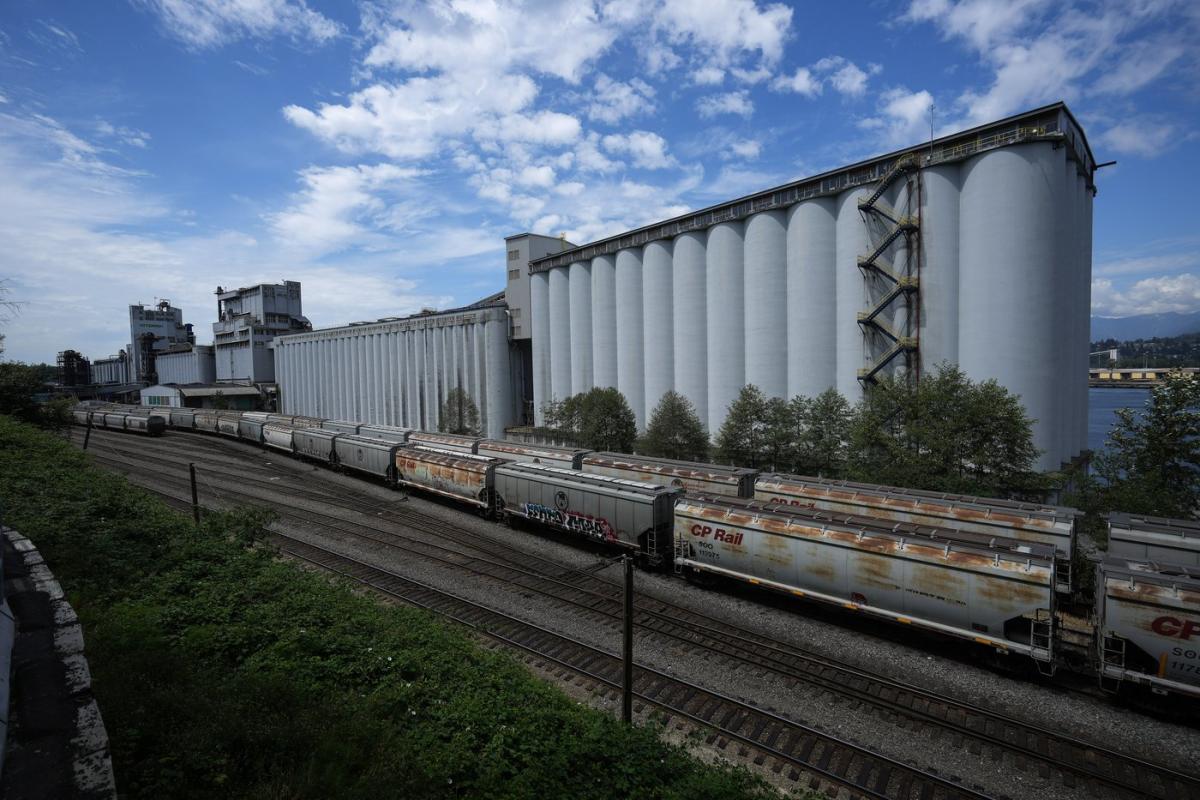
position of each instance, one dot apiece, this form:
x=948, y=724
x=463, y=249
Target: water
x=1102, y=411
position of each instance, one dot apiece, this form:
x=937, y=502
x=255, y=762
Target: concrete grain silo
x=972, y=249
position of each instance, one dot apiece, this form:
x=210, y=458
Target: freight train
x=995, y=573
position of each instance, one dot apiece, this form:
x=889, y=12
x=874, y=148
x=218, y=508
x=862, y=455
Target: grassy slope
x=222, y=672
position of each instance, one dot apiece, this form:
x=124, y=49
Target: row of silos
x=774, y=298
x=399, y=373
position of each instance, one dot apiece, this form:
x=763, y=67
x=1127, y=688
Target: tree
x=19, y=386
x=219, y=401
x=675, y=431
x=1151, y=464
x=822, y=449
x=606, y=422
x=945, y=433
x=599, y=419
x=458, y=414
x=743, y=439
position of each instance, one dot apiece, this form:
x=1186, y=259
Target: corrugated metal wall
x=399, y=373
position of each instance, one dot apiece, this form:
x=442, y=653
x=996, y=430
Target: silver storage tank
x=690, y=320
x=314, y=443
x=279, y=436
x=459, y=476
x=691, y=476
x=938, y=325
x=725, y=290
x=1010, y=215
x=580, y=290
x=370, y=456
x=560, y=334
x=631, y=341
x=604, y=321
x=498, y=388
x=615, y=511
x=766, y=302
x=1148, y=626
x=564, y=457
x=811, y=297
x=657, y=323
x=996, y=592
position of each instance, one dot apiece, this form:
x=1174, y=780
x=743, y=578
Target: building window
x=514, y=255
x=516, y=312
x=513, y=274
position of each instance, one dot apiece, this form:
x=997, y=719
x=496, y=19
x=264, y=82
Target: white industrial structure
x=248, y=319
x=972, y=249
x=111, y=370
x=399, y=371
x=151, y=331
x=191, y=364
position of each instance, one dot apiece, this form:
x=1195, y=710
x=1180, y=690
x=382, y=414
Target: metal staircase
x=900, y=281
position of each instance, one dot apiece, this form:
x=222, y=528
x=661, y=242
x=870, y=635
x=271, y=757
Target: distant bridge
x=1134, y=377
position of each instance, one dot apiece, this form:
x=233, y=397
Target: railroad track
x=985, y=732
x=834, y=763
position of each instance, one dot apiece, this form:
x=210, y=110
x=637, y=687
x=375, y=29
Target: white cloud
x=1177, y=293
x=725, y=30
x=1140, y=137
x=902, y=118
x=728, y=103
x=212, y=23
x=802, y=81
x=542, y=177
x=708, y=76
x=130, y=136
x=648, y=150
x=1040, y=53
x=747, y=148
x=613, y=101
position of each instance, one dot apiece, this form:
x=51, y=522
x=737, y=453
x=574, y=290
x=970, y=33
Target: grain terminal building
x=973, y=249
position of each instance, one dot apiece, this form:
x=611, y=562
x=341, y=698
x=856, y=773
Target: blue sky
x=379, y=152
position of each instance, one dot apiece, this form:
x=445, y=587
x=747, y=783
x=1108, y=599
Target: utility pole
x=627, y=684
x=87, y=434
x=195, y=496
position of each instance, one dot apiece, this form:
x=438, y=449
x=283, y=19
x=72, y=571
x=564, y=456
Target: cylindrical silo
x=690, y=320
x=811, y=297
x=938, y=274
x=539, y=312
x=580, y=275
x=631, y=343
x=1085, y=300
x=658, y=322
x=726, y=319
x=560, y=334
x=852, y=242
x=499, y=398
x=766, y=302
x=1011, y=208
x=604, y=321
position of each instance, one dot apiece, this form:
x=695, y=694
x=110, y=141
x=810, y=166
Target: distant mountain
x=1144, y=326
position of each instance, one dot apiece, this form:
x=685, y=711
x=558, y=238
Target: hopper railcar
x=463, y=477
x=631, y=514
x=1157, y=539
x=692, y=476
x=445, y=441
x=551, y=456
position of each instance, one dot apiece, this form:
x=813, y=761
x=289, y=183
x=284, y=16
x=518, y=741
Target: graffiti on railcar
x=593, y=527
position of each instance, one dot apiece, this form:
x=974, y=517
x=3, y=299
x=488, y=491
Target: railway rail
x=984, y=731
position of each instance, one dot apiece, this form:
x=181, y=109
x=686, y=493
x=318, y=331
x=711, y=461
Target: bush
x=222, y=671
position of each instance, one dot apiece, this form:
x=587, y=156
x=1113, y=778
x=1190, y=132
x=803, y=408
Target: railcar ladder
x=1041, y=639
x=1062, y=574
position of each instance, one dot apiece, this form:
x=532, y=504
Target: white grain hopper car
x=459, y=476
x=564, y=457
x=691, y=476
x=1158, y=539
x=1148, y=625
x=995, y=592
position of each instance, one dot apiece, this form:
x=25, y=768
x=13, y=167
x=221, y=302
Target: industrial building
x=398, y=371
x=972, y=249
x=152, y=331
x=194, y=363
x=111, y=370
x=248, y=320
